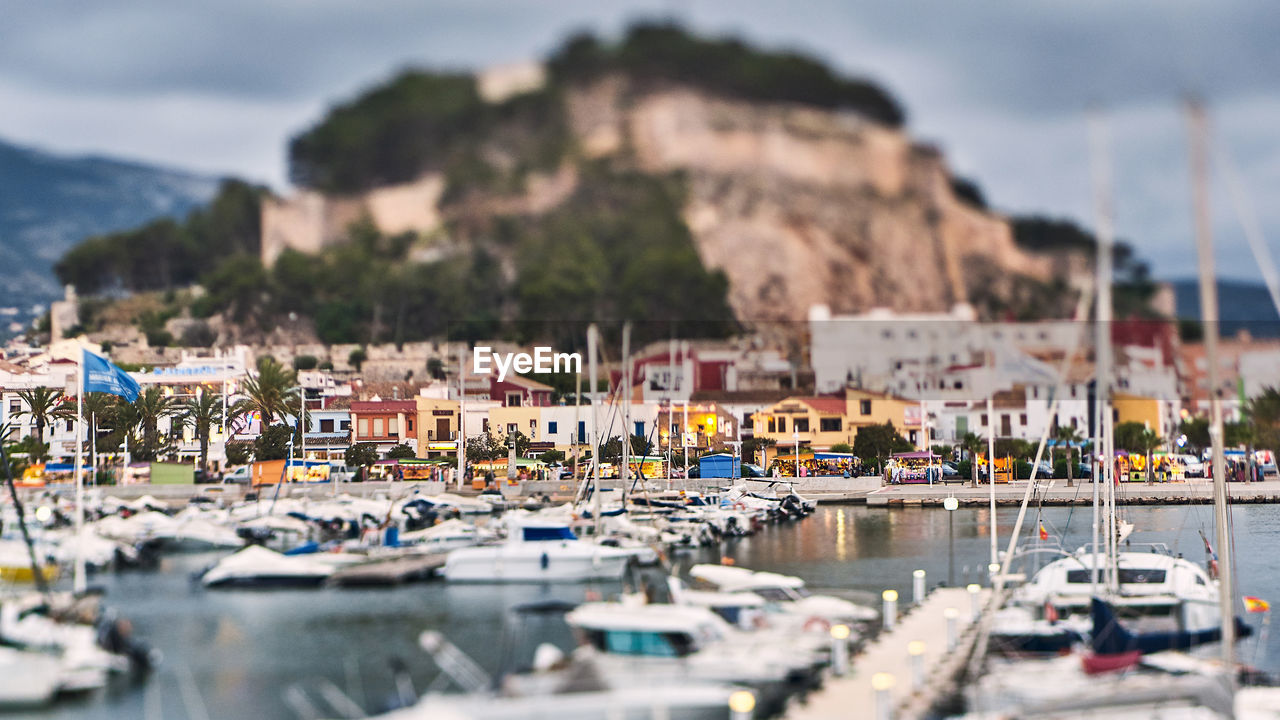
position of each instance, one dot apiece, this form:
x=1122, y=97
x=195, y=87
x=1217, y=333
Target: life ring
x=739, y=505
x=816, y=624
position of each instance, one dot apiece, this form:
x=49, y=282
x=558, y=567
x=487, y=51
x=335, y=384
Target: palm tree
x=271, y=392
x=152, y=406
x=972, y=444
x=43, y=405
x=202, y=412
x=97, y=408
x=1070, y=436
x=1148, y=441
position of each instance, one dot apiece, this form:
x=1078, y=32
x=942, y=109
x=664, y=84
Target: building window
x=829, y=424
x=582, y=431
x=410, y=423
x=1073, y=391
x=773, y=425
x=1022, y=419
x=984, y=419
x=15, y=407
x=864, y=407
x=393, y=426
x=513, y=399
x=378, y=427
x=638, y=429
x=346, y=425
x=782, y=424
x=553, y=427
x=513, y=428
x=364, y=427
x=802, y=424
x=326, y=426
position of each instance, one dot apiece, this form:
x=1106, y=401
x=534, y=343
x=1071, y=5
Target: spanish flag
x=1256, y=604
x=1044, y=534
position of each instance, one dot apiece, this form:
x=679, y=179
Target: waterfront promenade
x=868, y=490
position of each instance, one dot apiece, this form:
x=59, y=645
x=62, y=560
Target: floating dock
x=886, y=670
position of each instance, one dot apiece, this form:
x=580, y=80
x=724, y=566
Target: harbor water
x=242, y=654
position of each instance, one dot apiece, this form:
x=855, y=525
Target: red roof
x=823, y=404
x=384, y=406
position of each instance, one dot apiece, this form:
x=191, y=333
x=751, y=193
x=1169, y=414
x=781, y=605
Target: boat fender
x=545, y=561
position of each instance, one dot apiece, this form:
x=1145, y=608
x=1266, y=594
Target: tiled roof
x=825, y=404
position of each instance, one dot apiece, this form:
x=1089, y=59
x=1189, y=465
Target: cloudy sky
x=1001, y=85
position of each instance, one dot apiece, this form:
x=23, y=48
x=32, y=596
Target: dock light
x=741, y=703
x=974, y=599
x=882, y=683
x=839, y=650
x=43, y=513
x=915, y=649
x=917, y=587
x=890, y=612
x=952, y=615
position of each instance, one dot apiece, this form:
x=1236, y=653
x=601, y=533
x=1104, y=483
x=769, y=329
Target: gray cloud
x=1000, y=85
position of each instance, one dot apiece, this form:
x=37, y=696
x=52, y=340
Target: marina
x=236, y=652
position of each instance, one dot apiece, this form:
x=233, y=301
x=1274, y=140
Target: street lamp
x=950, y=504
x=795, y=435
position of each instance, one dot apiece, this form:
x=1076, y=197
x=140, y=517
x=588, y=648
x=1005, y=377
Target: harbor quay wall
x=860, y=490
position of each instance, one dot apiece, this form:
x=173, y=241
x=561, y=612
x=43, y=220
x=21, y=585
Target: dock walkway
x=853, y=695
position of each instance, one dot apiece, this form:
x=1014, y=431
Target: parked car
x=752, y=471
x=239, y=476
x=951, y=475
x=1192, y=466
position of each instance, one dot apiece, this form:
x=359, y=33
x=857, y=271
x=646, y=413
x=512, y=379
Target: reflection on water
x=243, y=649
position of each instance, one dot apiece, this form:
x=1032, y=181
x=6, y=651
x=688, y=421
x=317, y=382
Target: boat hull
x=535, y=562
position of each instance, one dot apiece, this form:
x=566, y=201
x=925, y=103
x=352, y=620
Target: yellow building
x=864, y=407
x=504, y=421
x=437, y=427
x=709, y=427
x=819, y=422
x=1135, y=408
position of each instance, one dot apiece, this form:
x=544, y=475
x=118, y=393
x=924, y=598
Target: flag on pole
x=1255, y=604
x=1044, y=534
x=101, y=375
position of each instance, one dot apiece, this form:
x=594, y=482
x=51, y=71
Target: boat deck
x=852, y=695
x=392, y=571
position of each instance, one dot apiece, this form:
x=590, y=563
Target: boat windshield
x=643, y=643
x=535, y=534
x=782, y=594
x=1128, y=576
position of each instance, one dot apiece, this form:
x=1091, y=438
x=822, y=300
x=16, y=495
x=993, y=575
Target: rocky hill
x=48, y=203
x=684, y=183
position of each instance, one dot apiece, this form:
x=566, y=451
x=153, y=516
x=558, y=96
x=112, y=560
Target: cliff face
x=797, y=206
x=801, y=206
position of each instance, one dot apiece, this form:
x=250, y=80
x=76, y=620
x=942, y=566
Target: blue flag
x=102, y=376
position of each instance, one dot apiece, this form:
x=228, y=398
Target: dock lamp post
x=915, y=649
x=882, y=683
x=839, y=649
x=975, y=599
x=952, y=616
x=951, y=504
x=917, y=586
x=890, y=612
x=741, y=703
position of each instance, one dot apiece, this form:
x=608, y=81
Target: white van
x=1192, y=466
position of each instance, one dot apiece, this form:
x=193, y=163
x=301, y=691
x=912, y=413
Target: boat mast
x=1102, y=344
x=625, y=395
x=1198, y=127
x=592, y=340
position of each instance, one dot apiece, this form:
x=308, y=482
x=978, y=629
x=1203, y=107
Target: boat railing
x=1153, y=547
